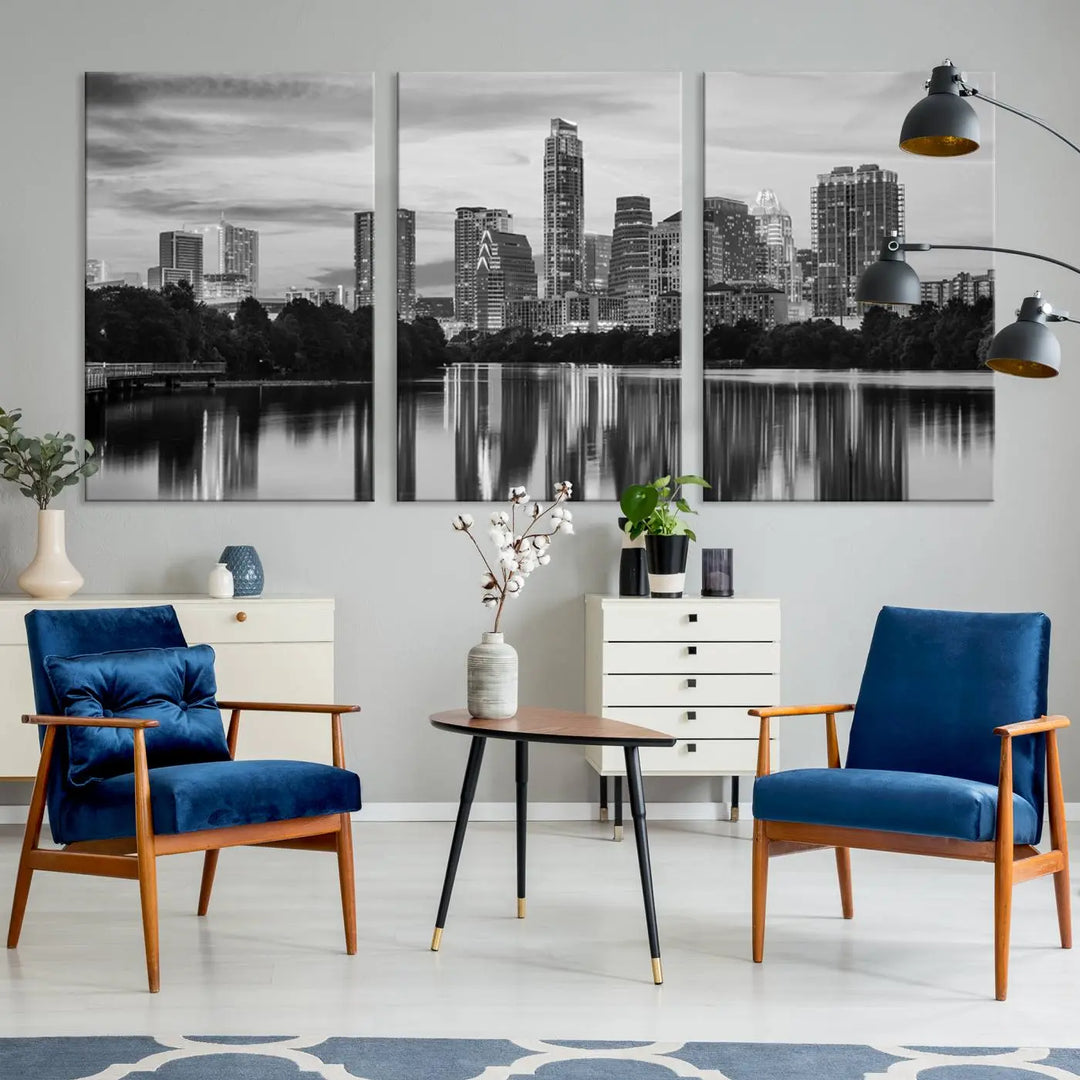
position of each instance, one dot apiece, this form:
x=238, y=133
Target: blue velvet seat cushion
x=210, y=795
x=174, y=686
x=904, y=802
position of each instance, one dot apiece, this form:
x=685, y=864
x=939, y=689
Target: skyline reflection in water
x=234, y=443
x=778, y=435
x=477, y=430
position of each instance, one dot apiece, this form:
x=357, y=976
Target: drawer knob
x=691, y=650
x=691, y=747
x=692, y=617
x=691, y=714
x=691, y=684
x=241, y=616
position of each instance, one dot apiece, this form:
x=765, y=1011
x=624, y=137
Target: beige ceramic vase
x=51, y=576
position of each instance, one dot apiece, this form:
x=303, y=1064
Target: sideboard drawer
x=685, y=691
x=708, y=657
x=685, y=620
x=247, y=619
x=692, y=757
x=706, y=723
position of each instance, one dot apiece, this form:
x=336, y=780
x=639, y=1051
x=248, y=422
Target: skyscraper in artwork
x=629, y=272
x=564, y=210
x=406, y=264
x=597, y=262
x=776, y=245
x=180, y=258
x=505, y=272
x=851, y=211
x=470, y=223
x=364, y=257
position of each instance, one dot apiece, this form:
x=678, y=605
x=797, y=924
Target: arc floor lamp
x=943, y=124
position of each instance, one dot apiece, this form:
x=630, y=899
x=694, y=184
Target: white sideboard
x=690, y=667
x=272, y=648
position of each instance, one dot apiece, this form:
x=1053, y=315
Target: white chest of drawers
x=268, y=649
x=689, y=667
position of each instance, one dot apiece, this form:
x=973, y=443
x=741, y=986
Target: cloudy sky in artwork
x=288, y=155
x=780, y=130
x=477, y=139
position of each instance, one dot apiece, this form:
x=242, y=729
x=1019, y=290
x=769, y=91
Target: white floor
x=914, y=967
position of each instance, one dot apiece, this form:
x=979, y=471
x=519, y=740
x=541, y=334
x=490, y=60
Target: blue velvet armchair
x=135, y=763
x=949, y=755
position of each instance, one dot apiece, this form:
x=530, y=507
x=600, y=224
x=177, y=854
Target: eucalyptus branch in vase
x=518, y=553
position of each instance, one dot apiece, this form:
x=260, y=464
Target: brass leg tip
x=734, y=813
x=521, y=907
x=603, y=813
x=618, y=833
x=436, y=939
x=657, y=971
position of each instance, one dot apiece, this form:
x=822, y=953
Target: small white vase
x=220, y=584
x=51, y=576
x=492, y=671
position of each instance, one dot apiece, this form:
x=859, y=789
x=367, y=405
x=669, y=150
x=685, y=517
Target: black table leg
x=468, y=790
x=618, y=808
x=603, y=798
x=734, y=798
x=637, y=810
x=521, y=777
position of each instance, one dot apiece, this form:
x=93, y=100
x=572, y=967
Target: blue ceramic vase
x=246, y=569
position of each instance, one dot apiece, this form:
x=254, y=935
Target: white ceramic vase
x=51, y=576
x=220, y=584
x=492, y=671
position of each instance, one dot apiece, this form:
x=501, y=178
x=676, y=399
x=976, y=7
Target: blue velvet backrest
x=936, y=685
x=77, y=632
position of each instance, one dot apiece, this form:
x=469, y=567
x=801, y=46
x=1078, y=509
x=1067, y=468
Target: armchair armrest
x=335, y=712
x=828, y=711
x=801, y=710
x=88, y=721
x=1032, y=727
x=277, y=706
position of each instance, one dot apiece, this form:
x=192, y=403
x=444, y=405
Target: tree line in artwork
x=954, y=337
x=130, y=325
x=424, y=349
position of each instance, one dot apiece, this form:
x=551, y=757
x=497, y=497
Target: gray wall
x=407, y=608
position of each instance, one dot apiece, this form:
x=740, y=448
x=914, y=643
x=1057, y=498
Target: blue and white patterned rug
x=284, y=1058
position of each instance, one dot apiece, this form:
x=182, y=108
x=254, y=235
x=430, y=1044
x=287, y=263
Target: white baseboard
x=504, y=811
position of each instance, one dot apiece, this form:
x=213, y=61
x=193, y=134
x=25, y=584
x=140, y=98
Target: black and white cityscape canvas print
x=539, y=241
x=228, y=316
x=807, y=396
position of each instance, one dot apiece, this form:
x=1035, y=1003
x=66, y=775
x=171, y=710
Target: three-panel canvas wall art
x=539, y=277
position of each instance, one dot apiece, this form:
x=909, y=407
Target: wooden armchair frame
x=1013, y=862
x=134, y=857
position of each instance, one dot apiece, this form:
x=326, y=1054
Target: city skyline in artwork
x=228, y=355
x=538, y=282
x=810, y=395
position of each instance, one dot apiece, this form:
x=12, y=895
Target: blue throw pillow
x=176, y=687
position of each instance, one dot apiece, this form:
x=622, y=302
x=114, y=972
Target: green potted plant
x=654, y=510
x=41, y=467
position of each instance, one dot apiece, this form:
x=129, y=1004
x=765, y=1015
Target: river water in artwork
x=236, y=442
x=475, y=430
x=849, y=436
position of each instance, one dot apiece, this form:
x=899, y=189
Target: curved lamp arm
x=973, y=91
x=980, y=247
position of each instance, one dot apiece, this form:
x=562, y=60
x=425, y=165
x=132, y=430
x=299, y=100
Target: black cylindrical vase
x=717, y=577
x=667, y=565
x=633, y=565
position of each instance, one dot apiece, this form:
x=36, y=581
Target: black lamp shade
x=1027, y=347
x=943, y=124
x=888, y=281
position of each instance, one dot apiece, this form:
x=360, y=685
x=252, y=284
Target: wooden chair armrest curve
x=278, y=706
x=88, y=721
x=800, y=710
x=1032, y=727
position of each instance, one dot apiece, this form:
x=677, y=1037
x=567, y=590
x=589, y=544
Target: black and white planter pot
x=667, y=564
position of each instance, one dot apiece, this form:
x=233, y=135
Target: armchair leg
x=209, y=869
x=760, y=884
x=348, y=882
x=148, y=898
x=843, y=872
x=34, y=817
x=1059, y=839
